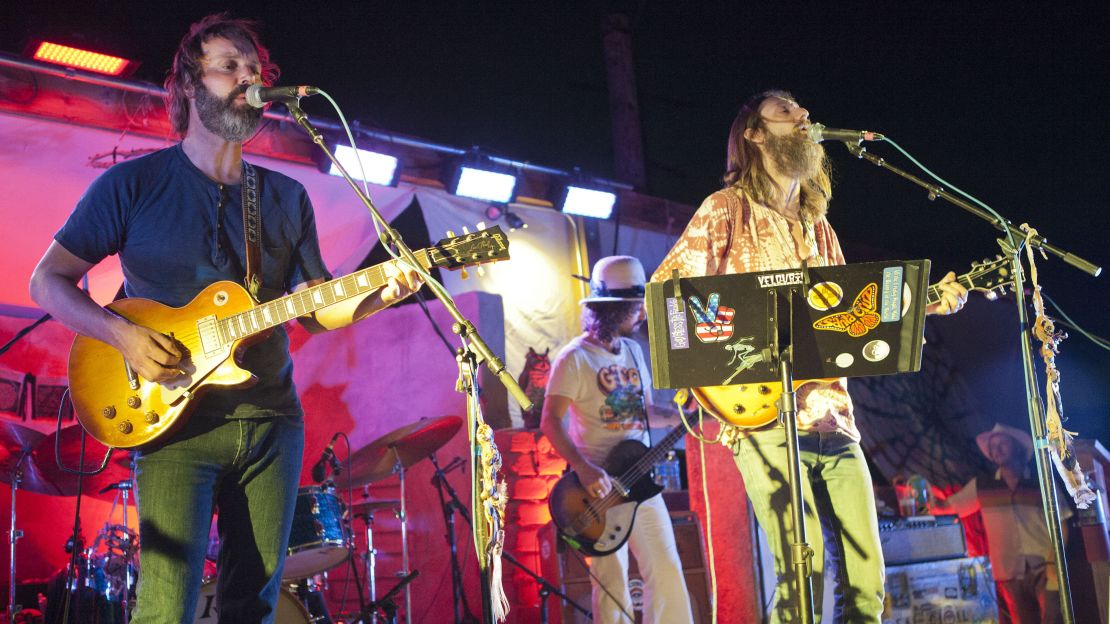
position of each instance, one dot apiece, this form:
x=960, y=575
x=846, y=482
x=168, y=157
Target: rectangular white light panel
x=589, y=203
x=486, y=185
x=380, y=168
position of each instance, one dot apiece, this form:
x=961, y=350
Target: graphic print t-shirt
x=607, y=393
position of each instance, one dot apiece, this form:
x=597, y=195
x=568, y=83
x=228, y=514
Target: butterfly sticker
x=862, y=318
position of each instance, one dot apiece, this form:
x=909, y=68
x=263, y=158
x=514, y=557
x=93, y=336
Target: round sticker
x=876, y=351
x=844, y=360
x=907, y=299
x=824, y=296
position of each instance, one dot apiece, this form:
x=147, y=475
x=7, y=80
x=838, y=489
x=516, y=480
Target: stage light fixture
x=87, y=60
x=587, y=202
x=380, y=168
x=478, y=177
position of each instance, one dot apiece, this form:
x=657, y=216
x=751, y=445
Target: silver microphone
x=258, y=95
x=818, y=133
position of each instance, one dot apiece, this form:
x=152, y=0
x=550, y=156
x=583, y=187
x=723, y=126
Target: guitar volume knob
x=739, y=409
x=125, y=427
x=109, y=412
x=133, y=401
x=151, y=417
x=764, y=390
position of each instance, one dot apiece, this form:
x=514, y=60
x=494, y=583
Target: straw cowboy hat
x=1024, y=440
x=617, y=278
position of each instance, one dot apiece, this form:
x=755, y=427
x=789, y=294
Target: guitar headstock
x=991, y=277
x=480, y=247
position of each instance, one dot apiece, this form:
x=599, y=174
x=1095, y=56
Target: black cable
x=582, y=560
x=77, y=545
x=23, y=332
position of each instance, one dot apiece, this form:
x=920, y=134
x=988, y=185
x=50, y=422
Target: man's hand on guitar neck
x=151, y=355
x=953, y=296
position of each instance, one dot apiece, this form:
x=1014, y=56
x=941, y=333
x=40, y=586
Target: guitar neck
x=967, y=280
x=654, y=454
x=272, y=313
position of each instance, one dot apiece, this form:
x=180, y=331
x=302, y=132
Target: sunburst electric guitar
x=754, y=405
x=599, y=526
x=123, y=410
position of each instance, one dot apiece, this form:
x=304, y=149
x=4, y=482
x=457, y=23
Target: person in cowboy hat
x=596, y=397
x=1021, y=553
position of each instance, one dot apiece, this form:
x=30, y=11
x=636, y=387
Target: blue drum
x=320, y=539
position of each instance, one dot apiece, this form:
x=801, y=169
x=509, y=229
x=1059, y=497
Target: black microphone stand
x=546, y=588
x=473, y=352
x=458, y=593
x=1011, y=245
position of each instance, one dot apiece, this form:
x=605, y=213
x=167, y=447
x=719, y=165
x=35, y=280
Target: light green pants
x=840, y=508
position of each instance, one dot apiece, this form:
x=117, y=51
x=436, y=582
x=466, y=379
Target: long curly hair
x=185, y=72
x=604, y=318
x=745, y=170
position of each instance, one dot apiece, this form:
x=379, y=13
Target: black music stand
x=826, y=322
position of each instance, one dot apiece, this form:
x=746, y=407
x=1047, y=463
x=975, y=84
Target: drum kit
x=100, y=579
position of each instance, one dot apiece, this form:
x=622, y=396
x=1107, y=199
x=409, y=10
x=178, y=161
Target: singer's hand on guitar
x=403, y=281
x=593, y=479
x=953, y=296
x=152, y=356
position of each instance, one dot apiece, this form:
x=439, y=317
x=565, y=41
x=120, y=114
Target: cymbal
x=371, y=506
x=69, y=442
x=17, y=447
x=407, y=445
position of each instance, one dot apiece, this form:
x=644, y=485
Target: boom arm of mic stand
x=463, y=327
x=935, y=191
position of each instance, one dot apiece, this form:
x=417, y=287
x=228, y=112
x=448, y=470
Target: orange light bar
x=80, y=59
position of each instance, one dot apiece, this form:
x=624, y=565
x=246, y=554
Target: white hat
x=1024, y=440
x=617, y=278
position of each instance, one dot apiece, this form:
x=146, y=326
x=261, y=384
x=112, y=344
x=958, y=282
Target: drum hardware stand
x=386, y=604
x=14, y=534
x=369, y=559
x=1011, y=244
x=458, y=592
x=123, y=489
x=405, y=572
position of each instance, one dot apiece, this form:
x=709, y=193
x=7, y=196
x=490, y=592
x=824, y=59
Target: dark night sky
x=1006, y=100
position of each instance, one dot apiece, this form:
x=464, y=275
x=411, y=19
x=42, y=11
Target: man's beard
x=795, y=155
x=226, y=118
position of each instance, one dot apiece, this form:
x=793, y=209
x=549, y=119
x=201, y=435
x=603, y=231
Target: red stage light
x=80, y=59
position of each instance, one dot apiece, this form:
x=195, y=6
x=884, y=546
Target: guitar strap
x=252, y=230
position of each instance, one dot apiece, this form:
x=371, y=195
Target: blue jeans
x=250, y=469
x=839, y=499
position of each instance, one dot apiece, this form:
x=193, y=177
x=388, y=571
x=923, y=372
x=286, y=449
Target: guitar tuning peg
x=450, y=234
x=466, y=230
x=464, y=274
x=481, y=271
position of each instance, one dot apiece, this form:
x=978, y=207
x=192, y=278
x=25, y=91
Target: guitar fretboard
x=653, y=456
x=283, y=309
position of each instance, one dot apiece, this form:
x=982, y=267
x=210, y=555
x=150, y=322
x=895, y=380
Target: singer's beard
x=227, y=118
x=795, y=155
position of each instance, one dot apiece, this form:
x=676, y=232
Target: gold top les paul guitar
x=755, y=405
x=122, y=410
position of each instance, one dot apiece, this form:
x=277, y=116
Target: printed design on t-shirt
x=624, y=397
x=862, y=318
x=714, y=321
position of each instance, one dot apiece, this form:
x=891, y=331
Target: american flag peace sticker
x=713, y=320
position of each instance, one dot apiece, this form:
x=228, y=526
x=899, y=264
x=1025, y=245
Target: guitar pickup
x=207, y=329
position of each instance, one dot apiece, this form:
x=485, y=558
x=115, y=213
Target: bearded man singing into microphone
x=771, y=216
x=176, y=220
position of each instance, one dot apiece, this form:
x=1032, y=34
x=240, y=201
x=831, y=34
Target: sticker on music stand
x=876, y=351
x=892, y=294
x=862, y=318
x=677, y=331
x=844, y=360
x=907, y=298
x=714, y=321
x=825, y=296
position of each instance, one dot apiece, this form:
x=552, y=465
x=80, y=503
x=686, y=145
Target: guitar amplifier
x=921, y=539
x=566, y=568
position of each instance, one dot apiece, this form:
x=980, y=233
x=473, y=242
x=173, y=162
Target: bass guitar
x=122, y=410
x=600, y=526
x=755, y=405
